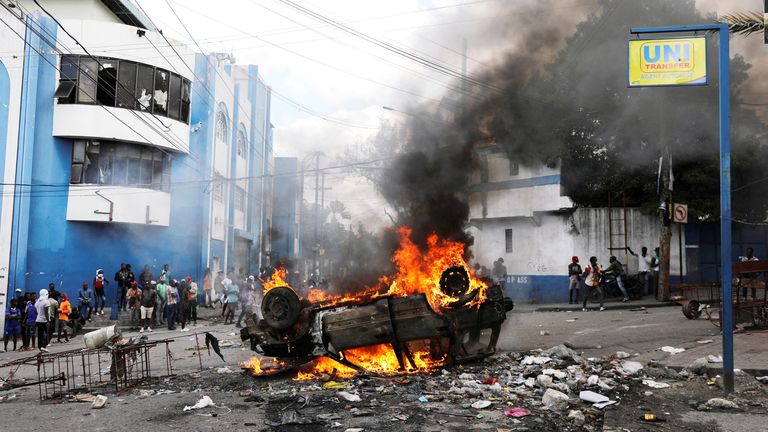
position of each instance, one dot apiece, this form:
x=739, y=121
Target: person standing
x=232, y=292
x=183, y=288
x=499, y=273
x=655, y=267
x=41, y=321
x=171, y=306
x=99, y=285
x=121, y=277
x=167, y=273
x=643, y=268
x=133, y=297
x=750, y=256
x=65, y=308
x=192, y=305
x=148, y=301
x=30, y=317
x=210, y=295
x=592, y=282
x=145, y=277
x=574, y=276
x=53, y=316
x=616, y=269
x=246, y=302
x=12, y=325
x=84, y=299
x=160, y=314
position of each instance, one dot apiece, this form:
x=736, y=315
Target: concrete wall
x=542, y=248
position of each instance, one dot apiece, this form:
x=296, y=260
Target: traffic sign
x=681, y=213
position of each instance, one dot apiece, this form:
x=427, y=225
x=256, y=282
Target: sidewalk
x=614, y=303
x=750, y=353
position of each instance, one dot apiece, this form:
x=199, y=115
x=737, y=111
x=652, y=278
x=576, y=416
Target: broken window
x=185, y=91
x=92, y=156
x=116, y=163
x=126, y=89
x=67, y=80
x=174, y=97
x=145, y=84
x=87, y=81
x=106, y=91
x=78, y=161
x=125, y=84
x=508, y=240
x=162, y=80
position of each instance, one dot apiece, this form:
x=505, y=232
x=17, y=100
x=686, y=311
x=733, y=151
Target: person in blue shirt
x=29, y=324
x=85, y=298
x=12, y=325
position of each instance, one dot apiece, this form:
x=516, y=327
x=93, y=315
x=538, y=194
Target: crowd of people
x=588, y=278
x=33, y=319
x=36, y=318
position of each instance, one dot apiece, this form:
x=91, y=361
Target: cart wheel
x=713, y=315
x=691, y=309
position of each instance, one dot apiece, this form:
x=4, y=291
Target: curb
x=608, y=306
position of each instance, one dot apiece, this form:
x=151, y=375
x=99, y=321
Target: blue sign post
x=725, y=182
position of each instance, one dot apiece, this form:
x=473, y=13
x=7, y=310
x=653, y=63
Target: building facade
x=138, y=150
x=286, y=211
x=519, y=213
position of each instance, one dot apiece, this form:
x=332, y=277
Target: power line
x=90, y=95
x=102, y=66
x=320, y=62
x=392, y=48
x=101, y=86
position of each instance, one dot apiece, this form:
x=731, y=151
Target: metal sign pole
x=725, y=183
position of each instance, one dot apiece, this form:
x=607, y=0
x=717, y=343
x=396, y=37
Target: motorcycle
x=609, y=288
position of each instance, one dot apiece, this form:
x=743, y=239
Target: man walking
x=499, y=273
x=592, y=282
x=574, y=276
x=162, y=289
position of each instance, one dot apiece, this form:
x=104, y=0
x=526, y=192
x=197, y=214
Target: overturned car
x=297, y=330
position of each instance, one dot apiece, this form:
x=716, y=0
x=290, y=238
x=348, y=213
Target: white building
x=518, y=213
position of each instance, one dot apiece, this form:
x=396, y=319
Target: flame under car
x=298, y=331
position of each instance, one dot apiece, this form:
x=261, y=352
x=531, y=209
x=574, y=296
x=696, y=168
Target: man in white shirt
x=643, y=269
x=41, y=323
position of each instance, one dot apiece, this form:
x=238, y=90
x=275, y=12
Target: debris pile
x=553, y=389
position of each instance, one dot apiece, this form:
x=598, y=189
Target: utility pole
x=322, y=206
x=665, y=238
x=316, y=246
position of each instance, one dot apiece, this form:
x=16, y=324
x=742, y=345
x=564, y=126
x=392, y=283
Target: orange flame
x=261, y=366
x=419, y=272
x=378, y=359
x=276, y=280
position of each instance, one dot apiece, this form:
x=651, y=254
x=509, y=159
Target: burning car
x=420, y=318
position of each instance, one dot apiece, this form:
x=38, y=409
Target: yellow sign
x=667, y=62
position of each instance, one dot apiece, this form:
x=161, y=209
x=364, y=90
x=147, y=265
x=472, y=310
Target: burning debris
x=431, y=312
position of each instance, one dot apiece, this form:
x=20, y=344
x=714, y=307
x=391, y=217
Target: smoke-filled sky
x=347, y=80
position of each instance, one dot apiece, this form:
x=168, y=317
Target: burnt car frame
x=299, y=331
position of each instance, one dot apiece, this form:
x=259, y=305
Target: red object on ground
x=517, y=412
